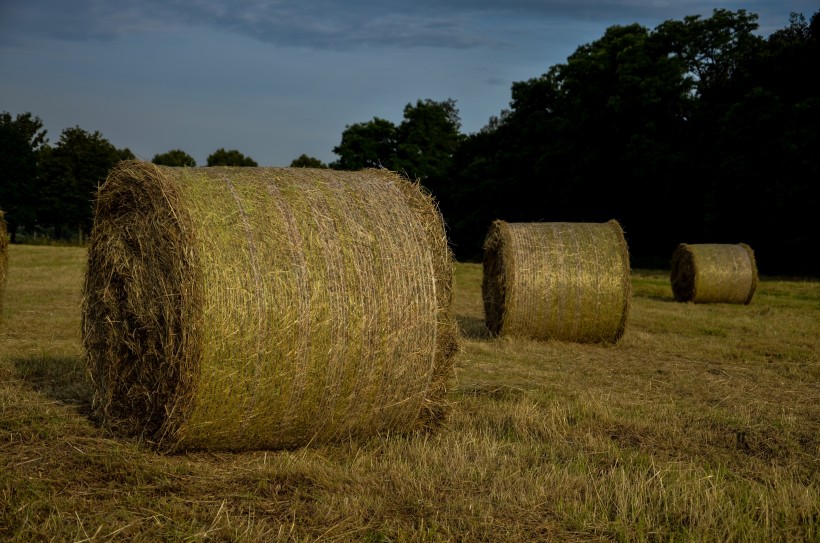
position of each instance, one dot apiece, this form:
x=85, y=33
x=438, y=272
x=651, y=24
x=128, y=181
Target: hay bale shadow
x=656, y=298
x=61, y=378
x=495, y=392
x=473, y=327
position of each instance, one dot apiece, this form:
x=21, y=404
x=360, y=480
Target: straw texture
x=4, y=258
x=246, y=308
x=557, y=280
x=714, y=273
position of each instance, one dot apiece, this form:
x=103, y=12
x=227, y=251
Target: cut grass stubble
x=675, y=433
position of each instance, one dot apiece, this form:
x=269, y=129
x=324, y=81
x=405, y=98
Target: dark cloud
x=330, y=24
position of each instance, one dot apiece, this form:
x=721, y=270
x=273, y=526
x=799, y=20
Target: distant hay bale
x=557, y=280
x=714, y=273
x=4, y=258
x=249, y=308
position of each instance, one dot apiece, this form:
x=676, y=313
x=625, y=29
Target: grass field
x=701, y=424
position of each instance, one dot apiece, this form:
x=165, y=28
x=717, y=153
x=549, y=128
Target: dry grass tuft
x=565, y=281
x=249, y=308
x=714, y=273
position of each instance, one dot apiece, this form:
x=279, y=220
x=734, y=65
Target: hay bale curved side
x=4, y=258
x=714, y=273
x=436, y=405
x=557, y=280
x=303, y=306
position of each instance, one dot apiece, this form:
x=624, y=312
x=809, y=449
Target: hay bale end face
x=557, y=280
x=714, y=273
x=249, y=308
x=4, y=258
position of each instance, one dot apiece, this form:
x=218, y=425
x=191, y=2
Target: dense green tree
x=481, y=190
x=422, y=147
x=698, y=130
x=21, y=139
x=714, y=50
x=71, y=173
x=624, y=107
x=426, y=141
x=221, y=157
x=174, y=158
x=764, y=141
x=370, y=144
x=305, y=161
x=589, y=140
x=691, y=132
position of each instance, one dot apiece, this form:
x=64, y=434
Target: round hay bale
x=557, y=280
x=714, y=273
x=4, y=257
x=249, y=308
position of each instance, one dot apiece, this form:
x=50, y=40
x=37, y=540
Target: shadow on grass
x=472, y=327
x=62, y=378
x=657, y=298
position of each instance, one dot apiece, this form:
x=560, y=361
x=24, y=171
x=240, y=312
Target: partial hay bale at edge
x=4, y=258
x=714, y=273
x=243, y=308
x=557, y=280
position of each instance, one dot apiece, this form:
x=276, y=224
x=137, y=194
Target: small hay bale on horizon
x=557, y=280
x=714, y=273
x=4, y=258
x=266, y=308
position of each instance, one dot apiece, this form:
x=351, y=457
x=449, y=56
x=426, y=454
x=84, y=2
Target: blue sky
x=278, y=78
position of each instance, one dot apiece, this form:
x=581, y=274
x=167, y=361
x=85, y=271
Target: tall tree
x=174, y=158
x=72, y=171
x=427, y=140
x=765, y=143
x=589, y=140
x=370, y=144
x=422, y=147
x=624, y=107
x=304, y=161
x=715, y=49
x=21, y=139
x=221, y=157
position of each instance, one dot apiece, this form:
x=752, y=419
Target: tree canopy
x=221, y=157
x=421, y=147
x=21, y=139
x=696, y=131
x=304, y=161
x=174, y=158
x=71, y=172
x=370, y=144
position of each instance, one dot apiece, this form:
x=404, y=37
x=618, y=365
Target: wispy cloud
x=325, y=24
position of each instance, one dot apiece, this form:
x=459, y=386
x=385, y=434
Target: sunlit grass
x=701, y=424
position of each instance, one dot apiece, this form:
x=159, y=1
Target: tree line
x=696, y=131
x=47, y=191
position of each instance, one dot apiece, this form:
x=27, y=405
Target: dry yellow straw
x=246, y=308
x=714, y=272
x=4, y=258
x=557, y=280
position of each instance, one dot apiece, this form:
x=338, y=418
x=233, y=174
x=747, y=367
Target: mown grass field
x=701, y=424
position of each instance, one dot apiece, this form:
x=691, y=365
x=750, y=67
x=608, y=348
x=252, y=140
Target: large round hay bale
x=249, y=308
x=714, y=273
x=557, y=280
x=4, y=258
